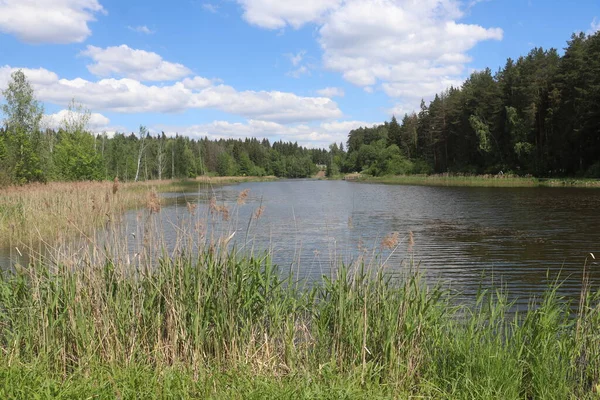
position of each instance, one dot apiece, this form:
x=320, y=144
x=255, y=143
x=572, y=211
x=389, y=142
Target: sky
x=305, y=71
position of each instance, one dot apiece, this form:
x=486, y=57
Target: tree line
x=538, y=115
x=29, y=153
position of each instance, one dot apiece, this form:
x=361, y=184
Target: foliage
x=537, y=115
x=20, y=152
x=75, y=157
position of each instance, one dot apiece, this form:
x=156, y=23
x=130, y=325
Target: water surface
x=466, y=237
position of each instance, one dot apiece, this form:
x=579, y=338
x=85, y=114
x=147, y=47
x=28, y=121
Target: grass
x=221, y=325
x=480, y=181
x=204, y=321
x=50, y=212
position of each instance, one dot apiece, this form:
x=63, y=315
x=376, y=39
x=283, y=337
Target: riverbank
x=226, y=327
x=477, y=181
x=50, y=212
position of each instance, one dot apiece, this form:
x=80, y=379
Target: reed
x=50, y=212
x=216, y=323
x=35, y=213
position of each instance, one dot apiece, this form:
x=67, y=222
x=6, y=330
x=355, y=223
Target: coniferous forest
x=538, y=115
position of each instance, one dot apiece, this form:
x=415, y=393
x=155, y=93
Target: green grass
x=142, y=382
x=481, y=181
x=222, y=327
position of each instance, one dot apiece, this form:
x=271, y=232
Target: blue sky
x=306, y=71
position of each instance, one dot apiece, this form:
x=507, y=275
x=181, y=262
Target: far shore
x=475, y=180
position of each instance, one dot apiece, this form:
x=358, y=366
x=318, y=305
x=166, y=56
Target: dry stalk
x=242, y=197
x=153, y=202
x=259, y=212
x=390, y=241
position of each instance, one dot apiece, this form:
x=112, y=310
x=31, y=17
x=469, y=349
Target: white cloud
x=131, y=96
x=410, y=49
x=331, y=92
x=123, y=61
x=270, y=106
x=97, y=122
x=594, y=26
x=417, y=90
x=400, y=109
x=141, y=29
x=48, y=21
x=277, y=14
x=414, y=49
x=197, y=83
x=321, y=135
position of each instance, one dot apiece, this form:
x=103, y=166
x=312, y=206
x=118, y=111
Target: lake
x=466, y=238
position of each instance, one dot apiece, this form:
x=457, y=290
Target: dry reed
x=258, y=212
x=390, y=241
x=242, y=197
x=36, y=212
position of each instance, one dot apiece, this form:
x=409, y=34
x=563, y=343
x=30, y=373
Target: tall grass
x=51, y=212
x=225, y=326
x=206, y=321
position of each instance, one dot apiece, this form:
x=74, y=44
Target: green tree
x=75, y=154
x=226, y=165
x=22, y=113
x=395, y=133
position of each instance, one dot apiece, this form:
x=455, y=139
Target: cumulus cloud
x=407, y=48
x=320, y=136
x=97, y=122
x=332, y=92
x=131, y=96
x=414, y=48
x=197, y=82
x=123, y=61
x=47, y=21
x=277, y=14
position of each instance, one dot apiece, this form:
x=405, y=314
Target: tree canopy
x=537, y=115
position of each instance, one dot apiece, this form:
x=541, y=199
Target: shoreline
x=506, y=181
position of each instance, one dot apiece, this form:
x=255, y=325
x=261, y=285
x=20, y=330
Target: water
x=518, y=238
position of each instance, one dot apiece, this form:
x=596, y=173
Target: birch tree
x=142, y=147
